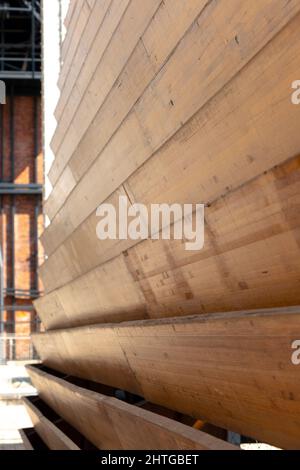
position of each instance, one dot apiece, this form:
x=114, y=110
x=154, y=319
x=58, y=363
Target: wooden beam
x=233, y=370
x=148, y=57
x=71, y=30
x=50, y=434
x=140, y=135
x=101, y=24
x=76, y=23
x=90, y=20
x=24, y=436
x=70, y=13
x=249, y=260
x=200, y=167
x=130, y=22
x=110, y=295
x=111, y=424
x=31, y=440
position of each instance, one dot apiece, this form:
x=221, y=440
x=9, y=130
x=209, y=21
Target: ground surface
x=14, y=384
x=12, y=418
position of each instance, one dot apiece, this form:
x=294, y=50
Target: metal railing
x=15, y=340
x=20, y=57
x=16, y=348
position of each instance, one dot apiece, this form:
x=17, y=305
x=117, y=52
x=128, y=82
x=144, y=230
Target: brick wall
x=21, y=211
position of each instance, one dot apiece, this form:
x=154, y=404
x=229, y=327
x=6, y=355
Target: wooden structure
x=112, y=424
x=31, y=440
x=50, y=434
x=226, y=369
x=186, y=102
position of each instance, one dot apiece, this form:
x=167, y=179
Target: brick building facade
x=21, y=180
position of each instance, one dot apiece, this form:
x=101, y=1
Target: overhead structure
x=175, y=102
x=20, y=40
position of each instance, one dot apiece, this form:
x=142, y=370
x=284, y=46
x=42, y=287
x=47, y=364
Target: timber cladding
x=112, y=424
x=212, y=158
x=233, y=370
x=134, y=139
x=178, y=102
x=257, y=224
x=51, y=435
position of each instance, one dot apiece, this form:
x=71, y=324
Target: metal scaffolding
x=20, y=40
x=20, y=68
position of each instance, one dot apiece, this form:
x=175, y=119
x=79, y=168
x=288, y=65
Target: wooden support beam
x=31, y=440
x=209, y=101
x=148, y=57
x=25, y=438
x=249, y=260
x=111, y=424
x=107, y=20
x=233, y=370
x=125, y=19
x=70, y=13
x=50, y=434
x=77, y=10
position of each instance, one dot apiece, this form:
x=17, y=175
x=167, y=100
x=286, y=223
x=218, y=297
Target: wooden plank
x=251, y=246
x=70, y=12
x=79, y=28
x=32, y=440
x=145, y=61
x=50, y=434
x=107, y=294
x=233, y=370
x=111, y=424
x=75, y=265
x=203, y=70
x=60, y=192
x=73, y=65
x=117, y=150
x=249, y=256
x=26, y=441
x=69, y=37
x=130, y=148
x=112, y=362
x=91, y=3
x=94, y=57
x=91, y=94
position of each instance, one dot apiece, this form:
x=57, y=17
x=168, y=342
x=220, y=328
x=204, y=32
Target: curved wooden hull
x=179, y=102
